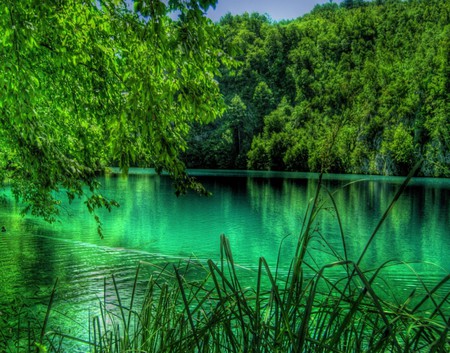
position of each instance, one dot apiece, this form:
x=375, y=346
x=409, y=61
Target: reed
x=305, y=310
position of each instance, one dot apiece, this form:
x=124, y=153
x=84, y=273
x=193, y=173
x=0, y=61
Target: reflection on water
x=261, y=213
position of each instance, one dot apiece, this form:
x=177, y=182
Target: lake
x=260, y=212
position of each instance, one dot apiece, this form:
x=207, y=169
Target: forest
x=360, y=87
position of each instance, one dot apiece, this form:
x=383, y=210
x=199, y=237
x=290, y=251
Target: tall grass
x=205, y=307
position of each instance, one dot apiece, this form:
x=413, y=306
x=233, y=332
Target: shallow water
x=261, y=213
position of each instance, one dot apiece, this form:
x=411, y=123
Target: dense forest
x=360, y=87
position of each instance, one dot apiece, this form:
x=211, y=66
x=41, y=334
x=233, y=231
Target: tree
x=88, y=82
x=269, y=148
x=264, y=103
x=236, y=121
x=370, y=93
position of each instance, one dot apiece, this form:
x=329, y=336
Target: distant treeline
x=361, y=87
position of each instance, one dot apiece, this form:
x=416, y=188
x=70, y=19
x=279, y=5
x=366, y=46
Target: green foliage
x=398, y=144
x=269, y=148
x=355, y=75
x=257, y=78
x=87, y=84
x=225, y=143
x=264, y=102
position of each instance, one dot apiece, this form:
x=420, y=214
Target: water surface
x=261, y=213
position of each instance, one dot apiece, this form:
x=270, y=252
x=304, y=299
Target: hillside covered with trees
x=361, y=87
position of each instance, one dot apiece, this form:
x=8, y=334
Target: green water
x=261, y=213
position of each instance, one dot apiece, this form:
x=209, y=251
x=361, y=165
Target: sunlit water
x=261, y=213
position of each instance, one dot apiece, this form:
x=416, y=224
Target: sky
x=276, y=9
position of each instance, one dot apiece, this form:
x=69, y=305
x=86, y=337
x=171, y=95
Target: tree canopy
x=361, y=87
x=86, y=84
